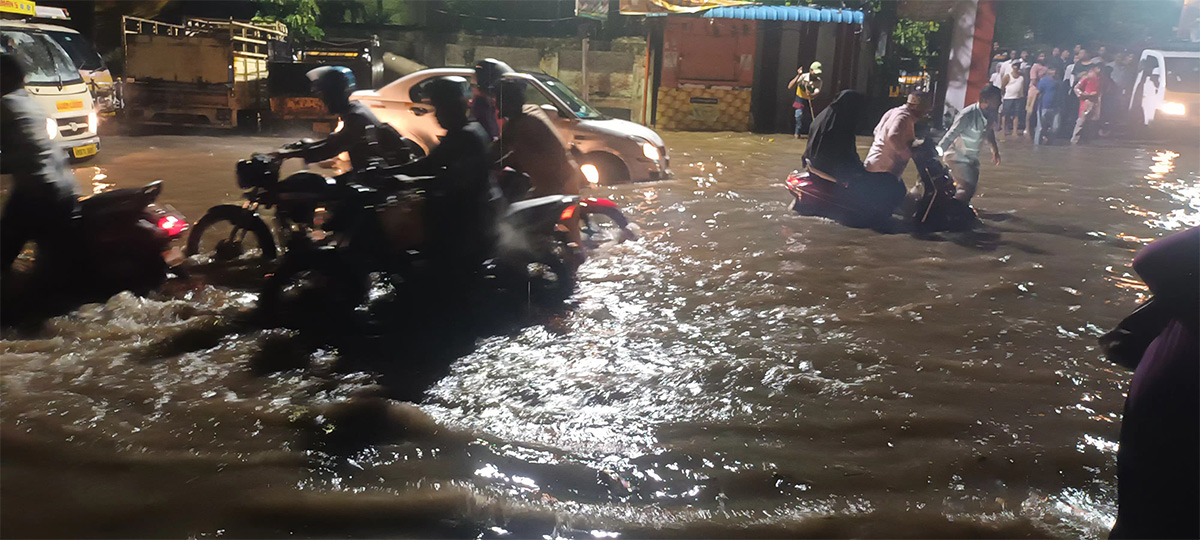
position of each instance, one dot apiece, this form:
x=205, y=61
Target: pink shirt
x=893, y=142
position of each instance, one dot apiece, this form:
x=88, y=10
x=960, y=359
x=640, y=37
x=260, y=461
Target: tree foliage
x=1085, y=22
x=300, y=16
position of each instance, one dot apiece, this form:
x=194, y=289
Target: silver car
x=614, y=151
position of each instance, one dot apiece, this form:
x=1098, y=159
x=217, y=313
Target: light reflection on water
x=738, y=370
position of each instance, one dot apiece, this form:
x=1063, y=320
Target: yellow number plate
x=72, y=105
x=84, y=151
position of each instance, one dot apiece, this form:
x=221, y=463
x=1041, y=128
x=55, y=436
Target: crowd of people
x=1074, y=94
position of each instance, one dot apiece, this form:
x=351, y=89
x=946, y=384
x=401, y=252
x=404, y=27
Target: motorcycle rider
x=44, y=199
x=483, y=103
x=462, y=203
x=360, y=128
x=530, y=144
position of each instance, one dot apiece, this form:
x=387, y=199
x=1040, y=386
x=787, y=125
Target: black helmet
x=511, y=96
x=334, y=84
x=448, y=95
x=488, y=72
x=448, y=90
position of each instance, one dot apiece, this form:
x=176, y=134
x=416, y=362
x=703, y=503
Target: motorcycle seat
x=121, y=200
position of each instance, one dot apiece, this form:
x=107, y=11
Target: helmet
x=448, y=95
x=448, y=90
x=488, y=72
x=511, y=95
x=334, y=84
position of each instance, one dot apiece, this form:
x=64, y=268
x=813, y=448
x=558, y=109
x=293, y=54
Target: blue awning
x=786, y=13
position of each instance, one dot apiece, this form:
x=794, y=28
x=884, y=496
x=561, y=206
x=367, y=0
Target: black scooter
x=124, y=244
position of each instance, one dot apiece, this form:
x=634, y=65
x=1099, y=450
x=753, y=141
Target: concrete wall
x=616, y=69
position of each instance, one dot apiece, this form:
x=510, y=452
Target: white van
x=1170, y=88
x=55, y=82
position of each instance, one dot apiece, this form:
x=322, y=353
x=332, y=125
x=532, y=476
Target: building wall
x=707, y=74
x=616, y=69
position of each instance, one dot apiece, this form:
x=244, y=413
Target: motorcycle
x=295, y=199
x=124, y=245
x=377, y=226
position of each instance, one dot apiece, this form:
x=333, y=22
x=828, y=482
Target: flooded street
x=736, y=371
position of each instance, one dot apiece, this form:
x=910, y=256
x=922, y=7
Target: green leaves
x=300, y=16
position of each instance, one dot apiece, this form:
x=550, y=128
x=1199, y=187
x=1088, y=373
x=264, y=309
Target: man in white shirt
x=960, y=145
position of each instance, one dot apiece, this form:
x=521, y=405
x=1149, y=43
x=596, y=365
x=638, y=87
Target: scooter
x=929, y=207
x=124, y=245
x=933, y=207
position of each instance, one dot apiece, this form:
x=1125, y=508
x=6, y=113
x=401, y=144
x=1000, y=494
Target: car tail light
x=567, y=213
x=172, y=225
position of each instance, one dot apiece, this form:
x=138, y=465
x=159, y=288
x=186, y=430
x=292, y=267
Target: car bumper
x=82, y=147
x=645, y=170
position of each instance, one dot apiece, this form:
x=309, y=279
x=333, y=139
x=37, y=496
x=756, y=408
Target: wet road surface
x=736, y=371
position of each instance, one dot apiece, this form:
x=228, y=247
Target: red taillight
x=172, y=225
x=568, y=213
x=798, y=180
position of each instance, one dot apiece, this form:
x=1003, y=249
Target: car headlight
x=51, y=128
x=650, y=151
x=93, y=122
x=590, y=172
x=1173, y=109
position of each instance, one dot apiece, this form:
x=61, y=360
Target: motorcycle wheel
x=222, y=240
x=319, y=286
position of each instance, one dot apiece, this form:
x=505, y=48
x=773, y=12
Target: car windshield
x=577, y=105
x=45, y=61
x=79, y=49
x=1183, y=75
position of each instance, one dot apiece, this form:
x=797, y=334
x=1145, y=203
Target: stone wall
x=616, y=69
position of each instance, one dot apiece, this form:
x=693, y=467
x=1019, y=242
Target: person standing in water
x=960, y=146
x=808, y=86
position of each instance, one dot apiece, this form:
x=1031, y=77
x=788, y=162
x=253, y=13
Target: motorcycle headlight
x=1173, y=109
x=650, y=151
x=93, y=122
x=340, y=125
x=51, y=128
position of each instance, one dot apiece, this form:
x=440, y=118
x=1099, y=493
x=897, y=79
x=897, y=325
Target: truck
x=291, y=98
x=204, y=72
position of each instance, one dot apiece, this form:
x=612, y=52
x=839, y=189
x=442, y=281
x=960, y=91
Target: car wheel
x=612, y=170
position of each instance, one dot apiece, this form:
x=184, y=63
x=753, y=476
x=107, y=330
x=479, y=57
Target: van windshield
x=47, y=64
x=1183, y=75
x=79, y=49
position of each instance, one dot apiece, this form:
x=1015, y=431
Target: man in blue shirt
x=1050, y=94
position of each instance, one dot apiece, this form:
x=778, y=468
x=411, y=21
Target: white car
x=1170, y=89
x=617, y=150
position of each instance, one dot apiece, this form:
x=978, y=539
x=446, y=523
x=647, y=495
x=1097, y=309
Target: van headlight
x=650, y=151
x=51, y=128
x=93, y=122
x=1172, y=108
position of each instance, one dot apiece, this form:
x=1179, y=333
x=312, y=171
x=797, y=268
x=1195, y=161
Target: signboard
x=663, y=7
x=20, y=7
x=592, y=9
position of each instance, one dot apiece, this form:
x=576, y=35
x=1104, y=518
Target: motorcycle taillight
x=172, y=225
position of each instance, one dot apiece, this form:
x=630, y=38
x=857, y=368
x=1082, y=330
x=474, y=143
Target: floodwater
x=736, y=371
